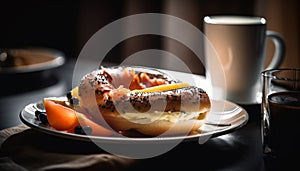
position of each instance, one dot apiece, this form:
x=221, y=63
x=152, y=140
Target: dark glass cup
x=281, y=118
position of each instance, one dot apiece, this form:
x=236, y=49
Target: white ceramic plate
x=226, y=115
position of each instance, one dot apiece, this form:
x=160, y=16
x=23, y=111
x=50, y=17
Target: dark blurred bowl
x=37, y=69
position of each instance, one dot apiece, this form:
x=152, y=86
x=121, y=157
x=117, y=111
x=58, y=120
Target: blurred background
x=67, y=25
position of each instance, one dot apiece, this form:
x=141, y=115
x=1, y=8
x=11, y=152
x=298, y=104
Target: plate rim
x=123, y=140
x=58, y=60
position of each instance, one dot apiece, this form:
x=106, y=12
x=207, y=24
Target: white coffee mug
x=240, y=42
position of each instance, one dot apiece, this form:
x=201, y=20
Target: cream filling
x=144, y=118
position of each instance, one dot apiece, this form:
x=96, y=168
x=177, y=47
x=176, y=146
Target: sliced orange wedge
x=66, y=119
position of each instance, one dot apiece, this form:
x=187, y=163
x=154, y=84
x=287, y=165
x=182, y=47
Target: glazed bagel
x=147, y=101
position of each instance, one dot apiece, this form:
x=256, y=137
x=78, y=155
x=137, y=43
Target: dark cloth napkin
x=23, y=148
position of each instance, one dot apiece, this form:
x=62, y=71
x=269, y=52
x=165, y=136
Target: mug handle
x=279, y=49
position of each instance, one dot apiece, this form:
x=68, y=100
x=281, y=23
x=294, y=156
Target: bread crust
x=155, y=128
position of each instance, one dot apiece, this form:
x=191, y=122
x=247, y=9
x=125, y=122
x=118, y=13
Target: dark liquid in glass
x=284, y=136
